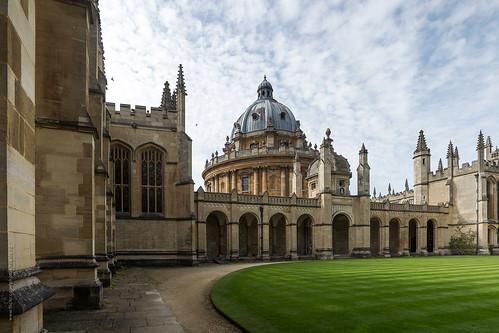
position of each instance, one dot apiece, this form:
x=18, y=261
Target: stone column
x=255, y=181
x=422, y=235
x=283, y=181
x=234, y=240
x=215, y=182
x=385, y=239
x=404, y=239
x=291, y=237
x=233, y=180
x=264, y=179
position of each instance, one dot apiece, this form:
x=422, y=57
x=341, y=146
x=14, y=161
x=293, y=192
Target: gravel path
x=186, y=291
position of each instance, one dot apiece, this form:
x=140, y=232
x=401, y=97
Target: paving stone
x=131, y=305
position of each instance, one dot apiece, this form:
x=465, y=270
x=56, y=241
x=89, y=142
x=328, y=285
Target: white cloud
x=374, y=72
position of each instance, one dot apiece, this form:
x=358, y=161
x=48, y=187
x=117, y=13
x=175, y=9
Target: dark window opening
x=121, y=158
x=152, y=181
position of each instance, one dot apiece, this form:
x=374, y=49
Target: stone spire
x=166, y=98
x=440, y=166
x=450, y=151
x=389, y=188
x=406, y=185
x=421, y=146
x=488, y=148
x=374, y=192
x=180, y=80
x=480, y=144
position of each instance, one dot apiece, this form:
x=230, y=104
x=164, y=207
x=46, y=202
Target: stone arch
x=375, y=236
x=216, y=235
x=431, y=226
x=277, y=235
x=341, y=224
x=394, y=236
x=304, y=236
x=248, y=235
x=147, y=145
x=413, y=235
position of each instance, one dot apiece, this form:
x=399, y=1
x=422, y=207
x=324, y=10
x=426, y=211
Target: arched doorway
x=248, y=235
x=374, y=237
x=304, y=235
x=430, y=236
x=394, y=235
x=216, y=235
x=413, y=236
x=277, y=236
x=340, y=235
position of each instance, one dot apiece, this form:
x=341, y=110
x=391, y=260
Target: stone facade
x=86, y=185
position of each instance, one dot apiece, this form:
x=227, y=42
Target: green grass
x=438, y=294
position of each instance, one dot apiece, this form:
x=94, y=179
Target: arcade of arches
x=282, y=238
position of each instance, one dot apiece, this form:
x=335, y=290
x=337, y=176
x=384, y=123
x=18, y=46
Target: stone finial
x=480, y=144
x=216, y=153
x=212, y=155
x=456, y=153
x=206, y=164
x=389, y=188
x=374, y=192
x=315, y=146
x=328, y=133
x=450, y=151
x=393, y=192
x=440, y=166
x=363, y=149
x=421, y=145
x=180, y=80
x=488, y=142
x=406, y=185
x=166, y=98
x=227, y=139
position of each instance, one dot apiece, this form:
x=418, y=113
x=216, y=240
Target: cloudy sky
x=373, y=71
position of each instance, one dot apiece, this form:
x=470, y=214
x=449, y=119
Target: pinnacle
x=480, y=144
x=363, y=149
x=450, y=150
x=440, y=166
x=421, y=146
x=180, y=79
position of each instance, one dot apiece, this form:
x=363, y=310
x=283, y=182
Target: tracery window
x=121, y=158
x=152, y=180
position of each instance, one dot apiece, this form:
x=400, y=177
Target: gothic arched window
x=121, y=158
x=152, y=180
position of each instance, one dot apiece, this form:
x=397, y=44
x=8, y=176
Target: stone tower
x=363, y=171
x=421, y=168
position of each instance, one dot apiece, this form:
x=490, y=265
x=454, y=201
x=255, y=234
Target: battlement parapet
x=141, y=115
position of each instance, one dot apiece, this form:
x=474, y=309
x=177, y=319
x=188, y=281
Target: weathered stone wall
x=21, y=293
x=66, y=152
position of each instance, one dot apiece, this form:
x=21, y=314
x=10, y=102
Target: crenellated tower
x=421, y=168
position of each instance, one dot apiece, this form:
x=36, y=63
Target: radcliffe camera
x=256, y=166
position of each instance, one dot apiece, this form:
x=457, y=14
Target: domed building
x=268, y=152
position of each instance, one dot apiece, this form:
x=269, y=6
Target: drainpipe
x=261, y=231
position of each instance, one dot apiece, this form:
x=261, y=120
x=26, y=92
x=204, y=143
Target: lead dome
x=265, y=113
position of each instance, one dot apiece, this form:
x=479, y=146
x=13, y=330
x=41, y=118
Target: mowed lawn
x=436, y=294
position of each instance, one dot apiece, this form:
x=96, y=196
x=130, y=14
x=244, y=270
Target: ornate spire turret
x=406, y=185
x=166, y=98
x=450, y=150
x=180, y=80
x=481, y=143
x=389, y=188
x=421, y=145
